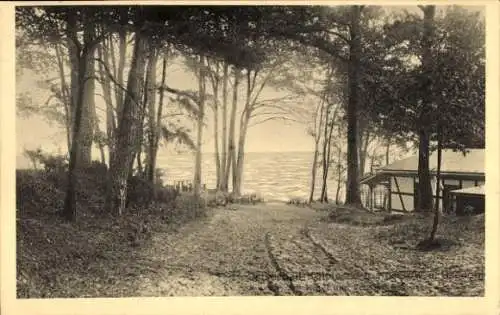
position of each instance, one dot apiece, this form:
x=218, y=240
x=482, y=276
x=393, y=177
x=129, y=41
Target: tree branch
x=193, y=98
x=111, y=77
x=269, y=119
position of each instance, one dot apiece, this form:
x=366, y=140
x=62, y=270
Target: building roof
x=451, y=162
x=477, y=190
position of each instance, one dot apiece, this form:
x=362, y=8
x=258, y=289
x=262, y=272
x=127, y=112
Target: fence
x=184, y=185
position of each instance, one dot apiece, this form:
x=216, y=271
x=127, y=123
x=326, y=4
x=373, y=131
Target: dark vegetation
x=387, y=248
x=409, y=229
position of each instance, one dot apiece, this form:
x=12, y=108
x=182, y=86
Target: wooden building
x=400, y=179
x=468, y=200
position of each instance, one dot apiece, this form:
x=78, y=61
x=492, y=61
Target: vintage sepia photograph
x=250, y=150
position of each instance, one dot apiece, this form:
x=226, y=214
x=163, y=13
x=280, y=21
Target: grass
x=91, y=257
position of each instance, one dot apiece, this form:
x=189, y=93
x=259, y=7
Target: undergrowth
x=407, y=230
x=89, y=257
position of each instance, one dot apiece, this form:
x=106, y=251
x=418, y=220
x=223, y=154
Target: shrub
x=35, y=156
x=297, y=201
x=219, y=198
x=139, y=191
x=354, y=216
x=188, y=207
x=96, y=168
x=166, y=194
x=55, y=163
x=36, y=191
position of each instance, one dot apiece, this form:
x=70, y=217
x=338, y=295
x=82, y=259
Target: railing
x=184, y=185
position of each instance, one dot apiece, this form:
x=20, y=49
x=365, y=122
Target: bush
x=51, y=162
x=141, y=192
x=188, y=207
x=55, y=163
x=60, y=259
x=36, y=192
x=354, y=216
x=96, y=168
x=297, y=202
x=166, y=194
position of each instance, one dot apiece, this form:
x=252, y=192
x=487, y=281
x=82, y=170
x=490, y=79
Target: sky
x=269, y=136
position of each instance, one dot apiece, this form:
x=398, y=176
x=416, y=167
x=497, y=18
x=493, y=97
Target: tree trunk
x=437, y=213
x=144, y=94
x=201, y=116
x=103, y=154
x=323, y=196
x=152, y=156
x=151, y=110
x=102, y=53
x=352, y=190
x=231, y=159
x=425, y=188
x=244, y=120
x=140, y=169
x=216, y=145
x=241, y=157
x=88, y=124
x=339, y=177
x=127, y=131
x=424, y=177
x=65, y=94
x=387, y=150
x=70, y=211
x=363, y=152
x=218, y=167
x=241, y=152
x=122, y=55
x=314, y=169
x=224, y=157
x=74, y=58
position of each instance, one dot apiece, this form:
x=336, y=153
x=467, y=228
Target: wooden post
x=372, y=201
x=399, y=193
x=390, y=195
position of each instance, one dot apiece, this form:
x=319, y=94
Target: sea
x=276, y=176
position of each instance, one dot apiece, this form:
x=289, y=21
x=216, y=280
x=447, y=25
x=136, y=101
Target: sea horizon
x=274, y=175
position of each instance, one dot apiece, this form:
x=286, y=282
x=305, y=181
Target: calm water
x=274, y=175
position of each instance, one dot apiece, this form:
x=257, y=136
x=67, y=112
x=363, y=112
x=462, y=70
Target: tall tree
x=316, y=133
x=432, y=59
x=155, y=123
x=337, y=32
x=200, y=118
x=128, y=124
x=83, y=53
x=424, y=177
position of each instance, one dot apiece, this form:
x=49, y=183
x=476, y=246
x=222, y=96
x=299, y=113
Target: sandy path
x=277, y=249
x=234, y=252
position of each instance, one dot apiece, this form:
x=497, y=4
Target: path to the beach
x=278, y=249
x=253, y=250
